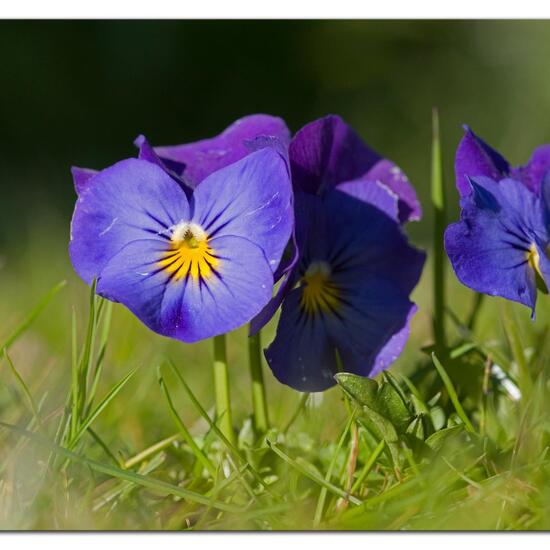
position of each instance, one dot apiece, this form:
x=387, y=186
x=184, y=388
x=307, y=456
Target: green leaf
x=436, y=440
x=384, y=399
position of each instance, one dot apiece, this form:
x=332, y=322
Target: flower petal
x=489, y=247
x=375, y=193
x=251, y=198
x=130, y=200
x=533, y=173
x=204, y=157
x=362, y=240
x=81, y=176
x=326, y=152
x=475, y=158
x=303, y=353
x=173, y=168
x=189, y=309
x=394, y=178
x=394, y=346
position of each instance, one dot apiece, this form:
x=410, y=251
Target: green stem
x=511, y=329
x=221, y=389
x=259, y=403
x=440, y=221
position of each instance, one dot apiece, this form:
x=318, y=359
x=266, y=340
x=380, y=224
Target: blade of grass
x=234, y=451
x=512, y=332
x=24, y=388
x=88, y=351
x=311, y=474
x=452, y=394
x=101, y=355
x=200, y=409
x=34, y=313
x=98, y=410
x=201, y=457
x=440, y=222
x=368, y=466
x=113, y=471
x=323, y=494
x=297, y=412
x=153, y=449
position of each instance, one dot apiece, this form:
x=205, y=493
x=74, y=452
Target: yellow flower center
x=189, y=253
x=319, y=293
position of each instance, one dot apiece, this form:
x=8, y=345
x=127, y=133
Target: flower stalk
x=221, y=389
x=259, y=402
x=440, y=222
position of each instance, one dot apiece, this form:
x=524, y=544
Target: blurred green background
x=79, y=92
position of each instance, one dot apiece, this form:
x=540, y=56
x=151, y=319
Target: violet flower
x=190, y=264
x=500, y=245
x=345, y=295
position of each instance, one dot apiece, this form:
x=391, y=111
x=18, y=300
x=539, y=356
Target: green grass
x=105, y=425
x=106, y=436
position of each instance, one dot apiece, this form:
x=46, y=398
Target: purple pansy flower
x=500, y=245
x=343, y=295
x=189, y=264
x=475, y=158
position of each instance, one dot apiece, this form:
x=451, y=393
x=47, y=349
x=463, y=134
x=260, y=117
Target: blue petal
x=475, y=158
x=81, y=177
x=131, y=200
x=363, y=240
x=489, y=247
x=375, y=193
x=207, y=156
x=173, y=168
x=251, y=198
x=303, y=353
x=189, y=309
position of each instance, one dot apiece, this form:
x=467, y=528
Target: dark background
x=79, y=92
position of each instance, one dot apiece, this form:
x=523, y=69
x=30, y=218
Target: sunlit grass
x=129, y=464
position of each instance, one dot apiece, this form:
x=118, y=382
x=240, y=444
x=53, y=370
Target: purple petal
x=303, y=353
x=204, y=157
x=251, y=198
x=189, y=309
x=395, y=345
x=489, y=247
x=533, y=173
x=81, y=176
x=364, y=241
x=375, y=193
x=475, y=158
x=174, y=169
x=130, y=200
x=326, y=152
x=393, y=177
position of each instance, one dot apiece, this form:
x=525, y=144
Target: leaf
x=436, y=440
x=384, y=399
